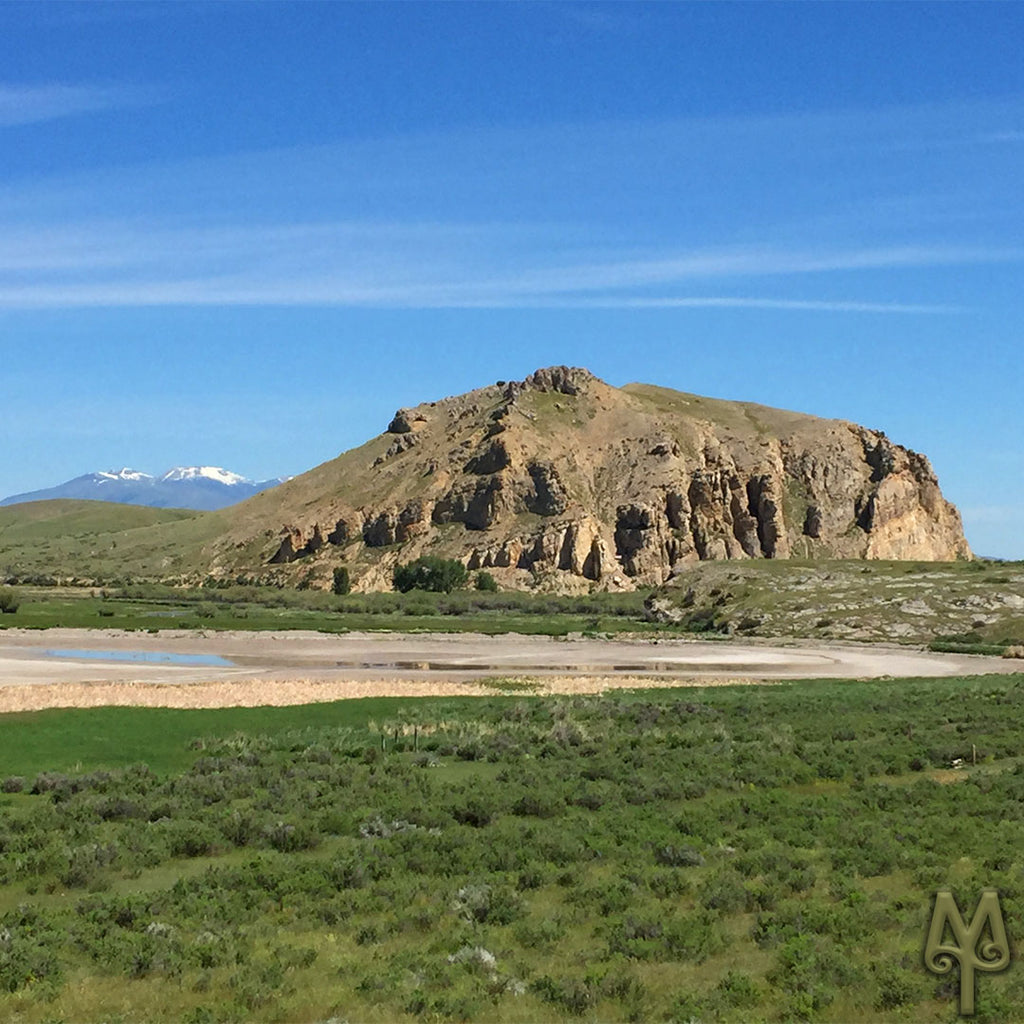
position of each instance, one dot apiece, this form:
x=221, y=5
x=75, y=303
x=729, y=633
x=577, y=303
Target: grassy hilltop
x=101, y=540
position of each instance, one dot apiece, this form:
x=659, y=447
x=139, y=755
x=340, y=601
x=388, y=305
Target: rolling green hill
x=98, y=539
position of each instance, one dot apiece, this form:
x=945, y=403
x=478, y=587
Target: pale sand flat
x=275, y=669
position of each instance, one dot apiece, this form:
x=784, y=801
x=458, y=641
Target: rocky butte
x=564, y=482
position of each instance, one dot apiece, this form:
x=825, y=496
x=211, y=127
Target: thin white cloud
x=410, y=265
x=752, y=261
x=622, y=215
x=228, y=292
x=31, y=104
x=138, y=246
x=747, y=302
x=418, y=249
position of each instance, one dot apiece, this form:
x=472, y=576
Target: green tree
x=341, y=580
x=9, y=602
x=440, y=575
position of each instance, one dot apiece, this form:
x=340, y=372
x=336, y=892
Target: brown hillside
x=563, y=481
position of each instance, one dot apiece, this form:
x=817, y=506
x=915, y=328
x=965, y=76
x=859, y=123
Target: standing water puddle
x=148, y=657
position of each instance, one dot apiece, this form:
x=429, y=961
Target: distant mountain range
x=203, y=488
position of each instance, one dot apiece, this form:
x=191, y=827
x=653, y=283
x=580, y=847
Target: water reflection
x=146, y=657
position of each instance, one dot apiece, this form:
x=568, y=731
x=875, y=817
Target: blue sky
x=243, y=234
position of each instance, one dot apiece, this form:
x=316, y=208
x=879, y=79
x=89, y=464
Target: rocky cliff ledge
x=562, y=481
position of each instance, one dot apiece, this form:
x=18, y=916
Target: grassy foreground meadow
x=732, y=854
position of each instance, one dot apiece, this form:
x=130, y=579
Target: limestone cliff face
x=564, y=482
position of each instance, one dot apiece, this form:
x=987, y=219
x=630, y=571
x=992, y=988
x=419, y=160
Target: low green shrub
x=486, y=583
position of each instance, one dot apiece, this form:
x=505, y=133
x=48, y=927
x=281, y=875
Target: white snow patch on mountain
x=222, y=476
x=124, y=474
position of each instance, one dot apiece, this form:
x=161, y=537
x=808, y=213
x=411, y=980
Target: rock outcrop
x=564, y=482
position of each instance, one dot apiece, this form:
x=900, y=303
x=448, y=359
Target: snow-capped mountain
x=199, y=487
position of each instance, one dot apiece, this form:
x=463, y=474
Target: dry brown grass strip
x=280, y=693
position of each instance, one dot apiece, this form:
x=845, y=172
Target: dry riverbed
x=91, y=668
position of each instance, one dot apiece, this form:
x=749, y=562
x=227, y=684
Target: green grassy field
x=36, y=522
x=153, y=607
x=100, y=538
x=106, y=543
x=732, y=854
x=87, y=739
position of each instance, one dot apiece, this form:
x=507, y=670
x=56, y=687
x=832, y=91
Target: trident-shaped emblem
x=968, y=949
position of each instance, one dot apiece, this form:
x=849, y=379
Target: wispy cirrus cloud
x=203, y=292
x=747, y=302
x=429, y=265
x=31, y=104
x=726, y=213
x=571, y=261
x=751, y=261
